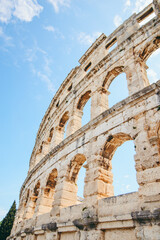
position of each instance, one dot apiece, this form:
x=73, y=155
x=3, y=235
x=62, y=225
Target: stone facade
x=49, y=208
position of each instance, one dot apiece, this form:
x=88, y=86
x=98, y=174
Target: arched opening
x=50, y=135
x=123, y=169
x=118, y=158
x=84, y=107
x=76, y=174
x=118, y=90
x=63, y=125
x=150, y=56
x=153, y=71
x=39, y=154
x=33, y=201
x=49, y=190
x=26, y=198
x=116, y=84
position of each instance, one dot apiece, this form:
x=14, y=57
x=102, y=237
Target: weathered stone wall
x=49, y=207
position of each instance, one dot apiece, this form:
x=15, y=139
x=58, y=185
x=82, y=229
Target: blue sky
x=40, y=42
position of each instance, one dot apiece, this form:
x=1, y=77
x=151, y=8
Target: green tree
x=7, y=222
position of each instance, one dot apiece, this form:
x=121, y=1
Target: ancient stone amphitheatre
x=49, y=208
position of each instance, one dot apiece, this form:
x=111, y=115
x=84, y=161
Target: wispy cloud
x=127, y=5
x=126, y=176
x=128, y=187
x=7, y=39
x=42, y=71
x=44, y=78
x=152, y=75
x=88, y=39
x=57, y=4
x=24, y=10
x=140, y=4
x=49, y=28
x=117, y=20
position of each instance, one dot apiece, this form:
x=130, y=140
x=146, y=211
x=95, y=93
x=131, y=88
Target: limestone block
x=150, y=189
x=149, y=175
x=118, y=234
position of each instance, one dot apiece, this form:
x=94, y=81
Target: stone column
x=58, y=136
x=75, y=121
x=147, y=158
x=98, y=180
x=65, y=195
x=156, y=4
x=30, y=207
x=44, y=202
x=136, y=75
x=99, y=102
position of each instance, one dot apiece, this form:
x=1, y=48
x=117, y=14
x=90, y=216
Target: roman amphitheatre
x=49, y=208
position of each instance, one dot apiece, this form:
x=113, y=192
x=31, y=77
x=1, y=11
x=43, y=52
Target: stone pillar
x=136, y=75
x=58, y=136
x=65, y=195
x=30, y=208
x=99, y=102
x=75, y=122
x=156, y=4
x=44, y=202
x=98, y=180
x=147, y=156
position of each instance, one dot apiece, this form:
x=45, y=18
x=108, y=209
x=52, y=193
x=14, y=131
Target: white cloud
x=128, y=187
x=41, y=70
x=126, y=176
x=7, y=39
x=46, y=80
x=3, y=212
x=59, y=3
x=87, y=39
x=117, y=20
x=127, y=5
x=140, y=4
x=24, y=10
x=152, y=75
x=49, y=28
x=6, y=8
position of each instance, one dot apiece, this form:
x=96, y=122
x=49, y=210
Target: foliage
x=7, y=222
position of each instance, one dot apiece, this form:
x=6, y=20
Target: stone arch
x=83, y=112
x=112, y=143
x=111, y=75
x=71, y=188
x=51, y=183
x=83, y=100
x=47, y=197
x=35, y=195
x=26, y=197
x=149, y=48
x=50, y=135
x=64, y=119
x=75, y=166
